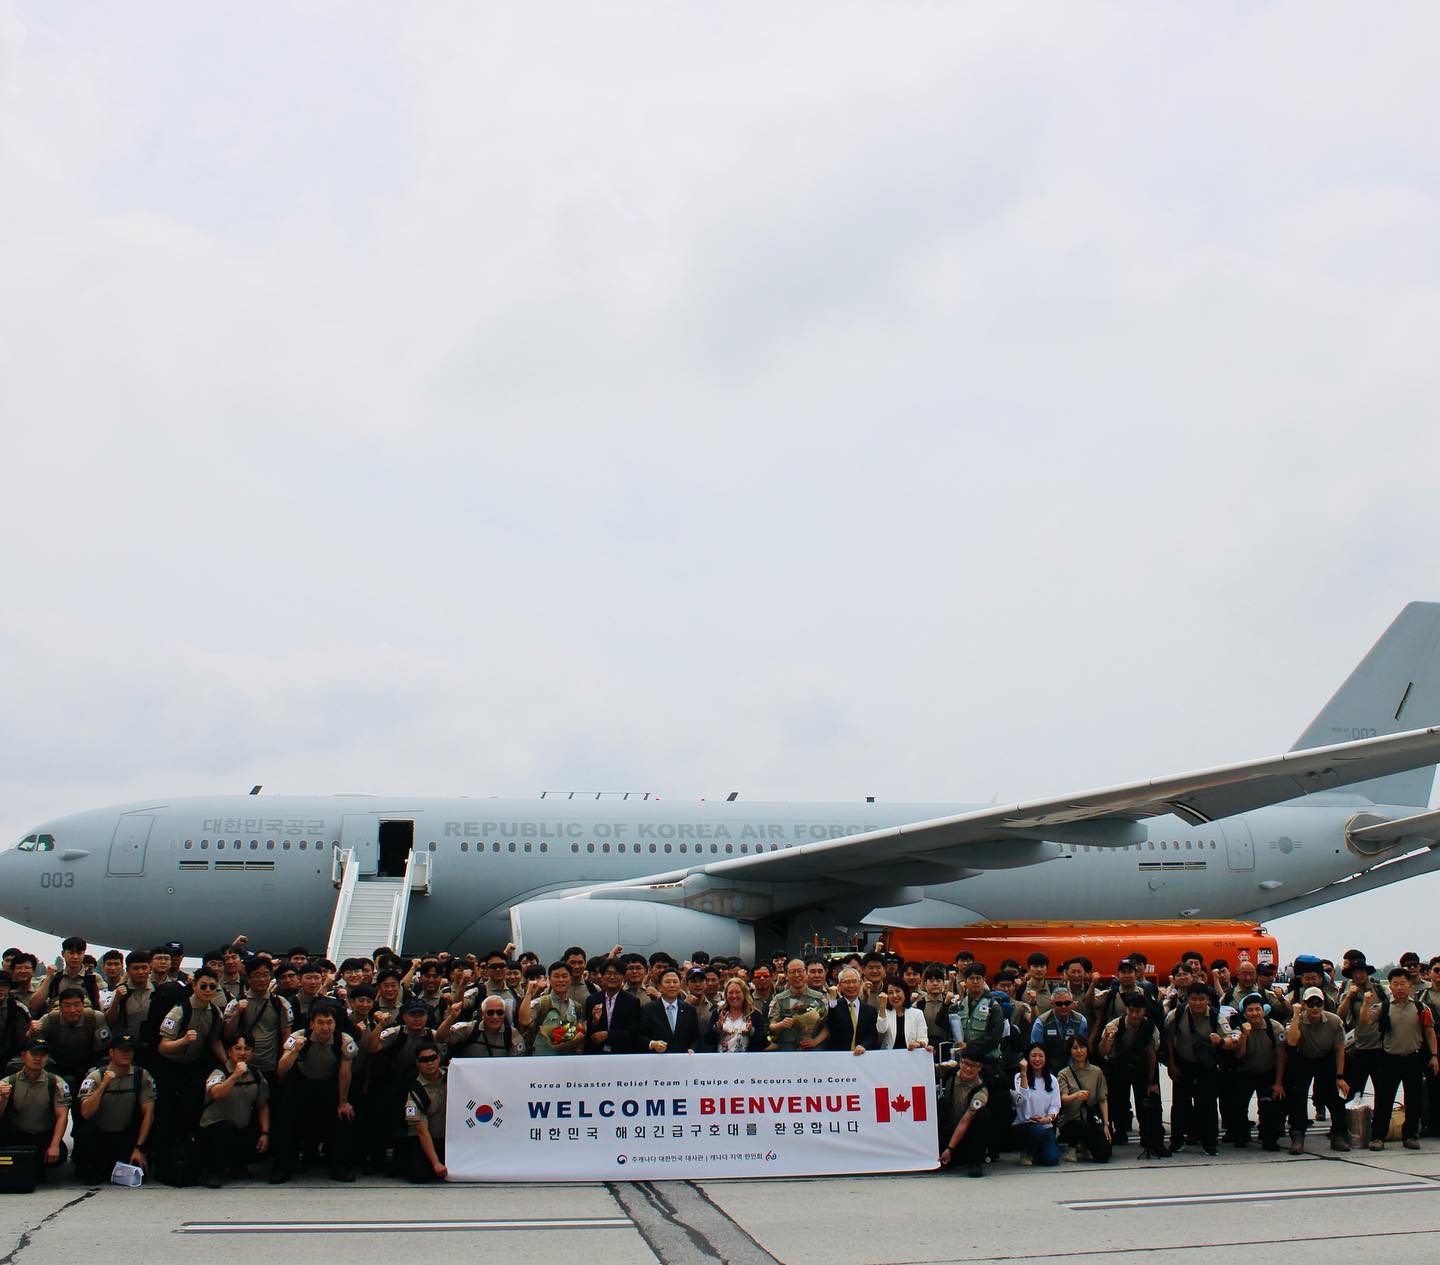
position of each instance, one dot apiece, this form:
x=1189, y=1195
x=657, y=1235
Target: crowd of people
x=292, y=1060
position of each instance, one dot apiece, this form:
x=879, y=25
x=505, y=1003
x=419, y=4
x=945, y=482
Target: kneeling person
x=968, y=1108
x=235, y=1124
x=1084, y=1119
x=117, y=1108
x=35, y=1106
x=424, y=1149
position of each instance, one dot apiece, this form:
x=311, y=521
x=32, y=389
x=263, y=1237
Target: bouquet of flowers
x=562, y=1033
x=807, y=1018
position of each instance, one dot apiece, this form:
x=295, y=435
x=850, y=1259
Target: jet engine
x=549, y=927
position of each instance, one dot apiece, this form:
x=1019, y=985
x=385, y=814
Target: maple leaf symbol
x=900, y=1103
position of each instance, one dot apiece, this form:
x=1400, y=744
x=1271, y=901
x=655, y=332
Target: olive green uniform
x=786, y=1005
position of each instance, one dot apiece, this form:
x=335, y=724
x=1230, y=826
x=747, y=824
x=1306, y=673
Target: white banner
x=643, y=1117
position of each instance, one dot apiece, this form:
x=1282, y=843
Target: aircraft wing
x=1006, y=835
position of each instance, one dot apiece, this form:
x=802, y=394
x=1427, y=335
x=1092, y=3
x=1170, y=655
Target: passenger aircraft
x=1344, y=811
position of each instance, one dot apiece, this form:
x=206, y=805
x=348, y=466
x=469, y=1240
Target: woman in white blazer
x=895, y=1020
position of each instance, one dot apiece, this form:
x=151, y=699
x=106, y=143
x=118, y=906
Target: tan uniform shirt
x=240, y=1104
x=32, y=1104
x=1406, y=1034
x=120, y=1102
x=429, y=1106
x=1072, y=1080
x=1321, y=1040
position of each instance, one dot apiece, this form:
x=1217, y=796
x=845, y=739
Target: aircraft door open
x=396, y=840
x=1239, y=845
x=360, y=831
x=128, y=844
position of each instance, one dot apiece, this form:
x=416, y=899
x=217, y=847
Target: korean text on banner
x=646, y=1116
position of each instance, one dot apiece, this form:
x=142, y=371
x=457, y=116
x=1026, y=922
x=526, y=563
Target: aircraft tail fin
x=1395, y=687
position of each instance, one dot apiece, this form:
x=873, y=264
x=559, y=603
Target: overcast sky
x=820, y=400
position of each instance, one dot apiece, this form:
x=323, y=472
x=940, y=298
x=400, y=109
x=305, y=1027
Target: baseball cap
x=415, y=1008
x=1313, y=994
x=36, y=1045
x=123, y=1041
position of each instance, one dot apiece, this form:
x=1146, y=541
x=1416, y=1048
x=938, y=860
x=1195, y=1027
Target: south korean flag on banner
x=478, y=1113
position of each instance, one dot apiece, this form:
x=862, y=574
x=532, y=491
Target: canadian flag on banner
x=914, y=1105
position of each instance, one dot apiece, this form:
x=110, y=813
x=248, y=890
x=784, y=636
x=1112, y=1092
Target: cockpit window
x=36, y=843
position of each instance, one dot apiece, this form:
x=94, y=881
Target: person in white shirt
x=1037, y=1102
x=899, y=1027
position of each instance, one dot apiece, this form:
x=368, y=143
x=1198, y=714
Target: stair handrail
x=416, y=880
x=349, y=875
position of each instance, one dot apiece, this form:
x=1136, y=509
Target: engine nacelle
x=549, y=927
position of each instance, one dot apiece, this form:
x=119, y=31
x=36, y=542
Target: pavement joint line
x=1247, y=1196
x=400, y=1227
x=682, y=1225
x=1106, y=1253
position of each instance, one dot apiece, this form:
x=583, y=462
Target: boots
x=1297, y=1141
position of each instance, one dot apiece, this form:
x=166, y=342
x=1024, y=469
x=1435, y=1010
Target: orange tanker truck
x=1104, y=943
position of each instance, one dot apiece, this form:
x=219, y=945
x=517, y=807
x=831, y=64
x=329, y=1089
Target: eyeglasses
x=492, y=1014
x=428, y=1058
x=205, y=988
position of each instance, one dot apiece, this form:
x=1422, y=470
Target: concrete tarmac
x=1323, y=1208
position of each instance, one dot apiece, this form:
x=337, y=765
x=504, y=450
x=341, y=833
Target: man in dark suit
x=613, y=1016
x=670, y=1025
x=851, y=1025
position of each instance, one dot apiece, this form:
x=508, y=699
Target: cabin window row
x=220, y=845
x=1164, y=845
x=697, y=848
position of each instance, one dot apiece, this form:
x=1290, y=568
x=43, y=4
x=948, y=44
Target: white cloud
x=933, y=403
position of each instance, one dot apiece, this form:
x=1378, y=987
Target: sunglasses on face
x=205, y=988
x=1313, y=1004
x=1064, y=1003
x=428, y=1058
x=493, y=1014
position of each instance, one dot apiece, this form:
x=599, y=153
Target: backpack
x=87, y=985
x=272, y=1003
x=167, y=997
x=386, y=1065
x=1206, y=1055
x=52, y=1083
x=1426, y=1019
x=90, y=1021
x=179, y=1163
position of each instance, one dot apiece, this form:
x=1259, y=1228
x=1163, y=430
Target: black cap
x=1359, y=964
x=176, y=948
x=36, y=1045
x=123, y=1041
x=415, y=1007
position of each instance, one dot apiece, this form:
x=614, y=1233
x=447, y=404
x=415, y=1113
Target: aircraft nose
x=14, y=899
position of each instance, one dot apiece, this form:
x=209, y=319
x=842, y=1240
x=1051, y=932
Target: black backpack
x=167, y=997
x=179, y=1163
